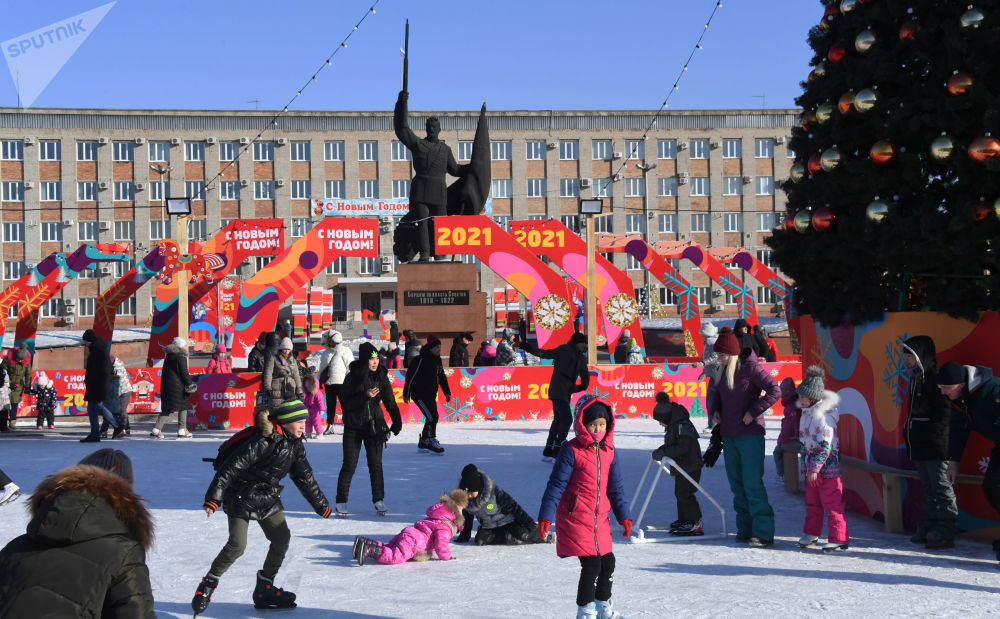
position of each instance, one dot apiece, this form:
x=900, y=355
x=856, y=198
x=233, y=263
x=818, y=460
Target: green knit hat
x=290, y=411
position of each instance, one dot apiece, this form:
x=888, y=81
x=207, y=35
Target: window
x=369, y=266
x=400, y=152
x=601, y=188
x=535, y=150
x=122, y=267
x=86, y=151
x=194, y=151
x=263, y=190
x=194, y=189
x=764, y=257
x=124, y=191
x=301, y=151
x=668, y=297
x=301, y=190
x=368, y=188
x=125, y=230
x=501, y=188
x=12, y=150
x=536, y=187
x=763, y=148
x=300, y=226
x=571, y=221
x=228, y=151
x=197, y=229
x=503, y=221
x=123, y=151
x=334, y=190
x=229, y=190
x=600, y=149
x=12, y=312
x=263, y=151
x=13, y=269
x=368, y=150
x=765, y=222
x=569, y=150
x=333, y=151
x=13, y=191
x=632, y=264
x=51, y=191
x=765, y=185
x=699, y=222
x=86, y=231
x=668, y=224
x=160, y=151
x=789, y=153
x=50, y=150
x=635, y=224
x=88, y=273
x=666, y=149
x=160, y=190
x=86, y=191
x=159, y=229
x=52, y=231
x=731, y=298
x=732, y=149
x=732, y=186
x=732, y=222
x=13, y=232
x=603, y=224
x=53, y=308
x=500, y=151
x=537, y=217
x=87, y=306
x=569, y=188
x=667, y=186
x=401, y=188
x=635, y=149
x=464, y=151
x=699, y=186
x=337, y=267
x=635, y=187
x=225, y=222
x=127, y=307
x=704, y=295
x=765, y=296
x=699, y=149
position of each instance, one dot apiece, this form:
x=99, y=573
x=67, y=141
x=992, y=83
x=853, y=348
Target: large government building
x=71, y=176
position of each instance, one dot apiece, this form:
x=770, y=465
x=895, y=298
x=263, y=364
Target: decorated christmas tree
x=894, y=195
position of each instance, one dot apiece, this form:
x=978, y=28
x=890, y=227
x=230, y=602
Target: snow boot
x=587, y=612
x=266, y=595
x=996, y=548
x=808, y=541
x=604, y=611
x=204, y=594
x=687, y=528
x=760, y=542
x=834, y=547
x=370, y=549
x=380, y=508
x=936, y=541
x=920, y=535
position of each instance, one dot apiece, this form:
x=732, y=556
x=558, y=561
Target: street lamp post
x=589, y=208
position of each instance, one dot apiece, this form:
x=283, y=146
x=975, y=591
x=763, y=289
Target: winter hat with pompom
x=812, y=385
x=726, y=344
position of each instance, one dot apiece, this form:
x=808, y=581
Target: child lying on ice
x=416, y=542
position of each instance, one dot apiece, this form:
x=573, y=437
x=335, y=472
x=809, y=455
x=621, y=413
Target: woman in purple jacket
x=739, y=406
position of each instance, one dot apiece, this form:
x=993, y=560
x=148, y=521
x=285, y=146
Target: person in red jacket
x=220, y=363
x=585, y=485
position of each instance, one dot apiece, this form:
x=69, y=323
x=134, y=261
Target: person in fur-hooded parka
x=84, y=553
x=432, y=534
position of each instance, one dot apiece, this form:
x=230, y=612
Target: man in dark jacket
x=258, y=355
x=764, y=344
x=97, y=378
x=975, y=395
x=175, y=387
x=459, y=355
x=569, y=362
x=501, y=519
x=412, y=347
x=747, y=339
x=621, y=349
x=928, y=418
x=246, y=487
x=84, y=554
x=367, y=389
x=680, y=444
x=423, y=377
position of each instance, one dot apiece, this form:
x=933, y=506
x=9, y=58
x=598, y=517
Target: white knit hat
x=286, y=344
x=709, y=330
x=179, y=342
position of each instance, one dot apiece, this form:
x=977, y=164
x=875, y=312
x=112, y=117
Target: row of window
x=535, y=150
x=765, y=296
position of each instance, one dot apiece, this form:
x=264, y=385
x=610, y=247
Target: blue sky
x=512, y=54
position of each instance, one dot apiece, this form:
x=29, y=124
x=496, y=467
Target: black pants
x=4, y=480
x=562, y=420
x=45, y=417
x=509, y=534
x=430, y=411
x=332, y=395
x=991, y=480
x=353, y=440
x=596, y=574
x=688, y=507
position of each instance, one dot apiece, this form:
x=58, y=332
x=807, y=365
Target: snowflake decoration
x=466, y=382
x=632, y=409
x=894, y=375
x=506, y=375
x=552, y=312
x=449, y=372
x=657, y=372
x=822, y=351
x=621, y=310
x=459, y=411
x=228, y=284
x=231, y=383
x=984, y=462
x=227, y=320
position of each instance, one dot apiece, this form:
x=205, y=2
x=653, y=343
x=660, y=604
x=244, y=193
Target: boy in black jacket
x=424, y=375
x=246, y=487
x=680, y=443
x=501, y=519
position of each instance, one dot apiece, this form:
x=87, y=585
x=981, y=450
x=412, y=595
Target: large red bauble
x=960, y=83
x=846, y=103
x=822, y=219
x=981, y=211
x=983, y=148
x=882, y=152
x=909, y=31
x=790, y=223
x=815, y=163
x=831, y=12
x=837, y=52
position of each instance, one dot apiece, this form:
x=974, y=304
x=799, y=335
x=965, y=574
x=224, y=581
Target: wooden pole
x=183, y=313
x=591, y=294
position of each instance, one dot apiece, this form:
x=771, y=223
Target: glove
x=447, y=398
x=395, y=428
x=657, y=454
x=406, y=399
x=628, y=528
x=543, y=528
x=712, y=454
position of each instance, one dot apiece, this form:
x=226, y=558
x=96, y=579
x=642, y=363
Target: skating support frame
x=664, y=466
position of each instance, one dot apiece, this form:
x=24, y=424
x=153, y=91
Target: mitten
x=657, y=454
x=544, y=525
x=628, y=528
x=712, y=454
x=396, y=427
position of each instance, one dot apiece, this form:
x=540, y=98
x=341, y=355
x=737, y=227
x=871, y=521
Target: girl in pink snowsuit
x=417, y=542
x=316, y=406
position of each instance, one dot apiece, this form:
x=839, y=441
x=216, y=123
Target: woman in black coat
x=97, y=379
x=175, y=387
x=366, y=387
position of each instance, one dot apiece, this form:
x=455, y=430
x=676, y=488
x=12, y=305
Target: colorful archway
x=717, y=272
x=12, y=294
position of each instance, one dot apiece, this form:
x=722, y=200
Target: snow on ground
x=882, y=574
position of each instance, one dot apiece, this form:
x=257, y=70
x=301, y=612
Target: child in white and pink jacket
x=432, y=534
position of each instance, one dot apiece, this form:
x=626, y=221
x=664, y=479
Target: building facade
x=71, y=176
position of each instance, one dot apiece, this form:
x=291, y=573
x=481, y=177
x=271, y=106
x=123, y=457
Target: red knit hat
x=432, y=341
x=727, y=344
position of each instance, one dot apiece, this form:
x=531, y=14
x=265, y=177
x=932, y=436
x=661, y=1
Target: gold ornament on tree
x=797, y=171
x=865, y=100
x=820, y=69
x=877, y=210
x=865, y=41
x=802, y=220
x=846, y=6
x=830, y=159
x=942, y=147
x=824, y=112
x=972, y=18
x=882, y=152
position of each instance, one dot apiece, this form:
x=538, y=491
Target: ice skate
x=204, y=594
x=834, y=547
x=356, y=549
x=370, y=549
x=687, y=528
x=422, y=445
x=605, y=611
x=760, y=542
x=434, y=445
x=340, y=510
x=10, y=493
x=808, y=541
x=587, y=612
x=267, y=596
x=380, y=508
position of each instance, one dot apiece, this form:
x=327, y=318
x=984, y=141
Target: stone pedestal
x=442, y=298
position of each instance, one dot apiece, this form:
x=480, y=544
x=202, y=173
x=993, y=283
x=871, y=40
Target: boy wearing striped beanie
x=247, y=488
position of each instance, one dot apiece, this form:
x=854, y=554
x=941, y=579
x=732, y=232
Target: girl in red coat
x=585, y=485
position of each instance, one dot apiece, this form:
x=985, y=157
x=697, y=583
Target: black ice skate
x=267, y=596
x=204, y=594
x=687, y=528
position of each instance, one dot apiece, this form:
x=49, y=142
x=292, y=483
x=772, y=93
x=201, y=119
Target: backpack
x=231, y=444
